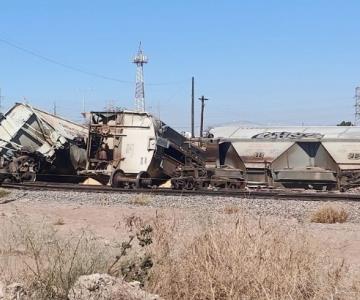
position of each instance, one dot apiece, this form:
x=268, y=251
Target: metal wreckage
x=136, y=150
x=121, y=148
x=127, y=149
x=35, y=143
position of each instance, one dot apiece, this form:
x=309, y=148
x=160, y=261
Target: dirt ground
x=107, y=221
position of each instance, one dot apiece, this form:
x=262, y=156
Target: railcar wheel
x=190, y=184
x=232, y=186
x=116, y=179
x=28, y=176
x=174, y=184
x=199, y=185
x=143, y=180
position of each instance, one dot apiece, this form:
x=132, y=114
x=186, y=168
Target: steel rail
x=264, y=194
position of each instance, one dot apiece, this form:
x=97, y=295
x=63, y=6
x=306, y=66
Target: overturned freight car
x=34, y=142
x=130, y=149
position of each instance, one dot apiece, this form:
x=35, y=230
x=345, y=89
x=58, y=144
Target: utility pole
x=192, y=107
x=202, y=99
x=85, y=94
x=0, y=101
x=158, y=108
x=54, y=108
x=83, y=104
x=357, y=106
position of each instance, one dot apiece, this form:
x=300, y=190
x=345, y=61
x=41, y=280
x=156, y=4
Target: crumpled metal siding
x=66, y=128
x=25, y=126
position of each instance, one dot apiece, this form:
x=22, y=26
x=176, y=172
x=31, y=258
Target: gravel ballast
x=297, y=209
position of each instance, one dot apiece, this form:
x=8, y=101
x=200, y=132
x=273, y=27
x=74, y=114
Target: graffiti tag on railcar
x=288, y=135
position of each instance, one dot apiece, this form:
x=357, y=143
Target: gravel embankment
x=300, y=210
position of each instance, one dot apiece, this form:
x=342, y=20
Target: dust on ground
x=104, y=215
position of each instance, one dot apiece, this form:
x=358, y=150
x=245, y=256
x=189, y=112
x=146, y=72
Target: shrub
x=240, y=261
x=4, y=193
x=329, y=215
x=47, y=263
x=140, y=199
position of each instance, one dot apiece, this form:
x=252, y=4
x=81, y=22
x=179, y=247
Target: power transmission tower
x=357, y=105
x=202, y=99
x=140, y=59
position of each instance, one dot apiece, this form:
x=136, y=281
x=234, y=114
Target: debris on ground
x=106, y=287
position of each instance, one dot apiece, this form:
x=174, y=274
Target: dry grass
x=243, y=261
x=140, y=199
x=4, y=193
x=231, y=209
x=47, y=263
x=237, y=259
x=329, y=215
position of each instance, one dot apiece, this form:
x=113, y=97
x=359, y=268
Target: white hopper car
x=35, y=142
x=324, y=157
x=134, y=149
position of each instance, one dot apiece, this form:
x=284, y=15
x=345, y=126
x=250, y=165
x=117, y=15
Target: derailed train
x=122, y=148
x=131, y=149
x=33, y=143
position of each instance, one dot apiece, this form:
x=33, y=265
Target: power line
x=79, y=70
x=50, y=60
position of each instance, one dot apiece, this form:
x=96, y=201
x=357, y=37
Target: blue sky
x=270, y=62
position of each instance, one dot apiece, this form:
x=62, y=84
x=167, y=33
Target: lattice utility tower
x=140, y=59
x=357, y=105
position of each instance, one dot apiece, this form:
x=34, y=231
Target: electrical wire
x=50, y=60
x=79, y=70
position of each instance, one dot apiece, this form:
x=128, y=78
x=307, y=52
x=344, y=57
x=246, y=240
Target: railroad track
x=264, y=194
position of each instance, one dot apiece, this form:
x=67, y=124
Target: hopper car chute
x=310, y=157
x=223, y=169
